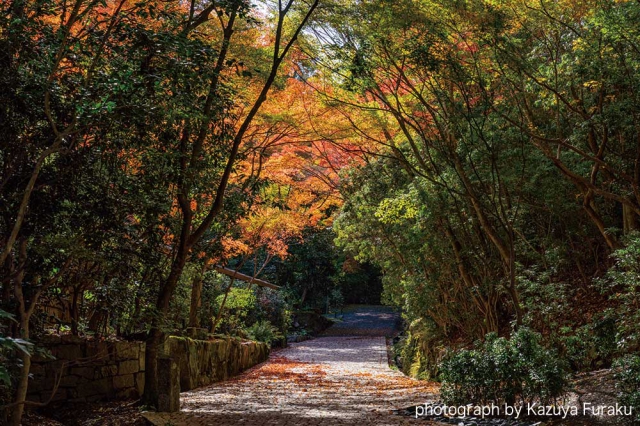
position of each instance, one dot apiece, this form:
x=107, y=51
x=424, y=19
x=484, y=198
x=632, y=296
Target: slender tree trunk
x=224, y=300
x=25, y=315
x=74, y=311
x=610, y=239
x=196, y=297
x=629, y=219
x=513, y=288
x=24, y=203
x=23, y=381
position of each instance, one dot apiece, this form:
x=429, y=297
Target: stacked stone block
x=88, y=370
x=92, y=370
x=203, y=362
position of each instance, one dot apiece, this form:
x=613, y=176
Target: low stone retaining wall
x=92, y=370
x=89, y=370
x=204, y=362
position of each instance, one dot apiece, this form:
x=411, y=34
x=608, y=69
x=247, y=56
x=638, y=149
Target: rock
x=129, y=393
x=86, y=372
x=97, y=351
x=127, y=350
x=68, y=352
x=50, y=339
x=129, y=367
x=108, y=371
x=140, y=383
x=61, y=395
x=69, y=381
x=116, y=369
x=35, y=397
x=102, y=388
x=141, y=359
x=37, y=370
x=121, y=382
x=69, y=338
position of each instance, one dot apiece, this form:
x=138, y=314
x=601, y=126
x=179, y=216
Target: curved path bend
x=340, y=378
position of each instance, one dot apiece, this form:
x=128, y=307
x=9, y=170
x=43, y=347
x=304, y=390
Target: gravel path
x=361, y=320
x=342, y=378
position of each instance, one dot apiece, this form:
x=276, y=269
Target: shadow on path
x=365, y=320
x=341, y=378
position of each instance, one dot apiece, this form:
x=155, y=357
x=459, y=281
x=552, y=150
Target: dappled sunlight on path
x=334, y=380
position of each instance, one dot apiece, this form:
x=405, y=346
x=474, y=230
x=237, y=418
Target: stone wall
x=204, y=362
x=91, y=370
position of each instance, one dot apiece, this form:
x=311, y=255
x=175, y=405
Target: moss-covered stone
x=204, y=362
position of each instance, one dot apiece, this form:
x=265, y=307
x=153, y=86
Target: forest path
x=342, y=378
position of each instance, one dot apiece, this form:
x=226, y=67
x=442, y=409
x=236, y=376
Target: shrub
x=272, y=306
x=590, y=346
x=504, y=371
x=627, y=374
x=237, y=306
x=336, y=300
x=419, y=351
x=622, y=283
x=264, y=331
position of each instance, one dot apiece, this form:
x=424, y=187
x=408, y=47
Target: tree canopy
x=482, y=156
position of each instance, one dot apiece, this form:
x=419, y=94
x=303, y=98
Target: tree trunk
x=513, y=287
x=24, y=312
x=74, y=311
x=150, y=396
x=189, y=236
x=224, y=300
x=629, y=219
x=23, y=381
x=196, y=298
x=610, y=239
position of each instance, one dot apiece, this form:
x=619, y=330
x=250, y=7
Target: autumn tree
x=496, y=155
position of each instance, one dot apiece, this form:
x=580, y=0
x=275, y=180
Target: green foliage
x=264, y=331
x=590, y=346
x=507, y=175
x=316, y=272
x=500, y=370
x=418, y=353
x=408, y=244
x=627, y=374
x=239, y=303
x=274, y=307
x=10, y=349
x=502, y=190
x=551, y=308
x=622, y=285
x=335, y=300
x=239, y=299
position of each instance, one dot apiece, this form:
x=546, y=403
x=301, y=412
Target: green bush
x=272, y=306
x=622, y=284
x=419, y=351
x=590, y=346
x=504, y=371
x=264, y=331
x=237, y=306
x=627, y=374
